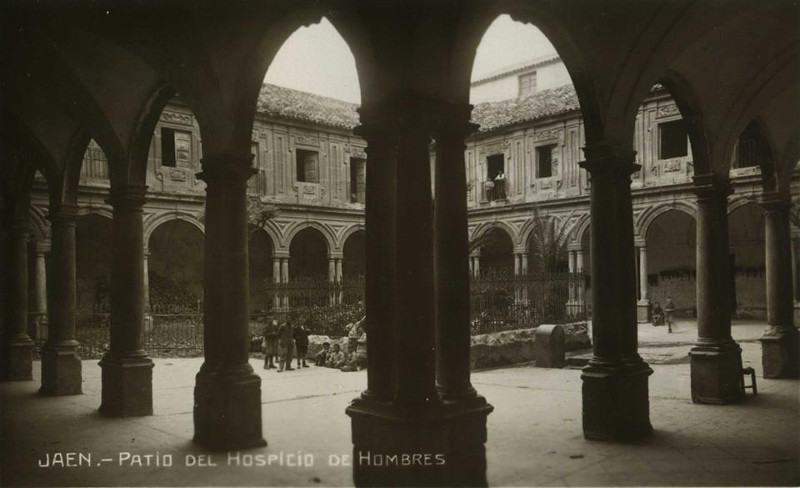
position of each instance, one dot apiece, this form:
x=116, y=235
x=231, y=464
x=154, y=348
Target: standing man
x=300, y=335
x=286, y=345
x=669, y=307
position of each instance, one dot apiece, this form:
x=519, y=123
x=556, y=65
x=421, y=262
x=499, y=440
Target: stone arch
x=327, y=234
x=309, y=254
x=579, y=228
x=737, y=202
x=650, y=214
x=347, y=233
x=104, y=212
x=746, y=238
x=485, y=227
x=527, y=228
x=176, y=261
x=157, y=219
x=354, y=253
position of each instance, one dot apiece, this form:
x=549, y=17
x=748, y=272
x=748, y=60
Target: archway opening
x=751, y=149
x=262, y=273
x=748, y=290
x=92, y=284
x=308, y=256
x=497, y=254
x=354, y=265
x=175, y=267
x=671, y=262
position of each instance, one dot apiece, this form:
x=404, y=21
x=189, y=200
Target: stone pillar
x=227, y=406
x=795, y=281
x=276, y=279
x=518, y=278
x=331, y=270
x=615, y=382
x=285, y=281
x=779, y=344
x=127, y=372
x=61, y=365
x=525, y=274
x=471, y=268
x=417, y=307
x=581, y=292
x=38, y=314
x=339, y=276
x=643, y=305
x=571, y=303
x=716, y=360
x=145, y=259
x=19, y=346
x=476, y=266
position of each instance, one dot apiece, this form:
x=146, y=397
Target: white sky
x=316, y=59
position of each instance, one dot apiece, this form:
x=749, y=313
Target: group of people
x=350, y=360
x=663, y=315
x=279, y=344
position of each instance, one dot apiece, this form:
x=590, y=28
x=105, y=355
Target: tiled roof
x=280, y=102
x=516, y=68
x=545, y=103
x=277, y=101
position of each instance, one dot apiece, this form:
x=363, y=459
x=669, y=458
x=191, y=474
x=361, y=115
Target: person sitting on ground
x=301, y=345
x=335, y=357
x=352, y=362
x=658, y=314
x=322, y=356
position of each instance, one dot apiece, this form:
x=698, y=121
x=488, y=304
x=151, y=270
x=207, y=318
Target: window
x=527, y=84
x=176, y=148
x=544, y=161
x=167, y=147
x=751, y=149
x=673, y=143
x=495, y=177
x=358, y=179
x=307, y=166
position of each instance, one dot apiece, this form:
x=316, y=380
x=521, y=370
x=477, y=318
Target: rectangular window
x=673, y=142
x=527, y=84
x=167, y=147
x=307, y=166
x=358, y=180
x=544, y=161
x=496, y=177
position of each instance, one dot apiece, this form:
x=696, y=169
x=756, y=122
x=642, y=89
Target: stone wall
x=517, y=346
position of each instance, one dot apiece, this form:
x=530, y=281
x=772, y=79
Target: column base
x=716, y=372
x=19, y=359
x=780, y=352
x=441, y=445
x=643, y=312
x=616, y=406
x=127, y=386
x=61, y=370
x=227, y=410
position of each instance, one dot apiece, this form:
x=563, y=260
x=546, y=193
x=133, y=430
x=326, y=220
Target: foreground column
x=19, y=346
x=227, y=394
x=780, y=342
x=716, y=360
x=643, y=305
x=61, y=365
x=419, y=308
x=615, y=382
x=127, y=375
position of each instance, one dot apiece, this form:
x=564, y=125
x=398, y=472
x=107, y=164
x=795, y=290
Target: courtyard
x=534, y=434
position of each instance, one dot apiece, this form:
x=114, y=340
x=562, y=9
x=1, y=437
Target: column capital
x=605, y=159
x=775, y=202
x=226, y=168
x=435, y=117
x=42, y=247
x=710, y=185
x=640, y=243
x=129, y=197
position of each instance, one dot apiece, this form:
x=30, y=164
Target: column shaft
x=19, y=346
x=227, y=411
x=716, y=360
x=39, y=313
x=779, y=343
x=61, y=365
x=452, y=307
x=127, y=375
x=615, y=382
x=643, y=306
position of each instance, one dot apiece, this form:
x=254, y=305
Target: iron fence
x=500, y=300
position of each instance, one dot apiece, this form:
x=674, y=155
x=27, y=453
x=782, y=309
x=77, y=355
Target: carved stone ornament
x=306, y=140
x=177, y=118
x=546, y=135
x=667, y=111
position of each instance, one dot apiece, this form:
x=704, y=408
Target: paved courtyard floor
x=535, y=436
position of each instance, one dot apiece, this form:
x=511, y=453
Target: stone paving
x=535, y=436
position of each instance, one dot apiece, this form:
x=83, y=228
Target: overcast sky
x=316, y=59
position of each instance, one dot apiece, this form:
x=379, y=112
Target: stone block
x=616, y=406
x=61, y=371
x=227, y=410
x=716, y=373
x=780, y=353
x=18, y=364
x=127, y=386
x=644, y=312
x=549, y=346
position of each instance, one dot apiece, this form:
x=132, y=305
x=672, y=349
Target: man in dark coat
x=286, y=345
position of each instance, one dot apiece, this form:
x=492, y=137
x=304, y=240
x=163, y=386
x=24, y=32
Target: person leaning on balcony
x=500, y=185
x=286, y=345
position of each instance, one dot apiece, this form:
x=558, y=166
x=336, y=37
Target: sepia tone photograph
x=299, y=243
